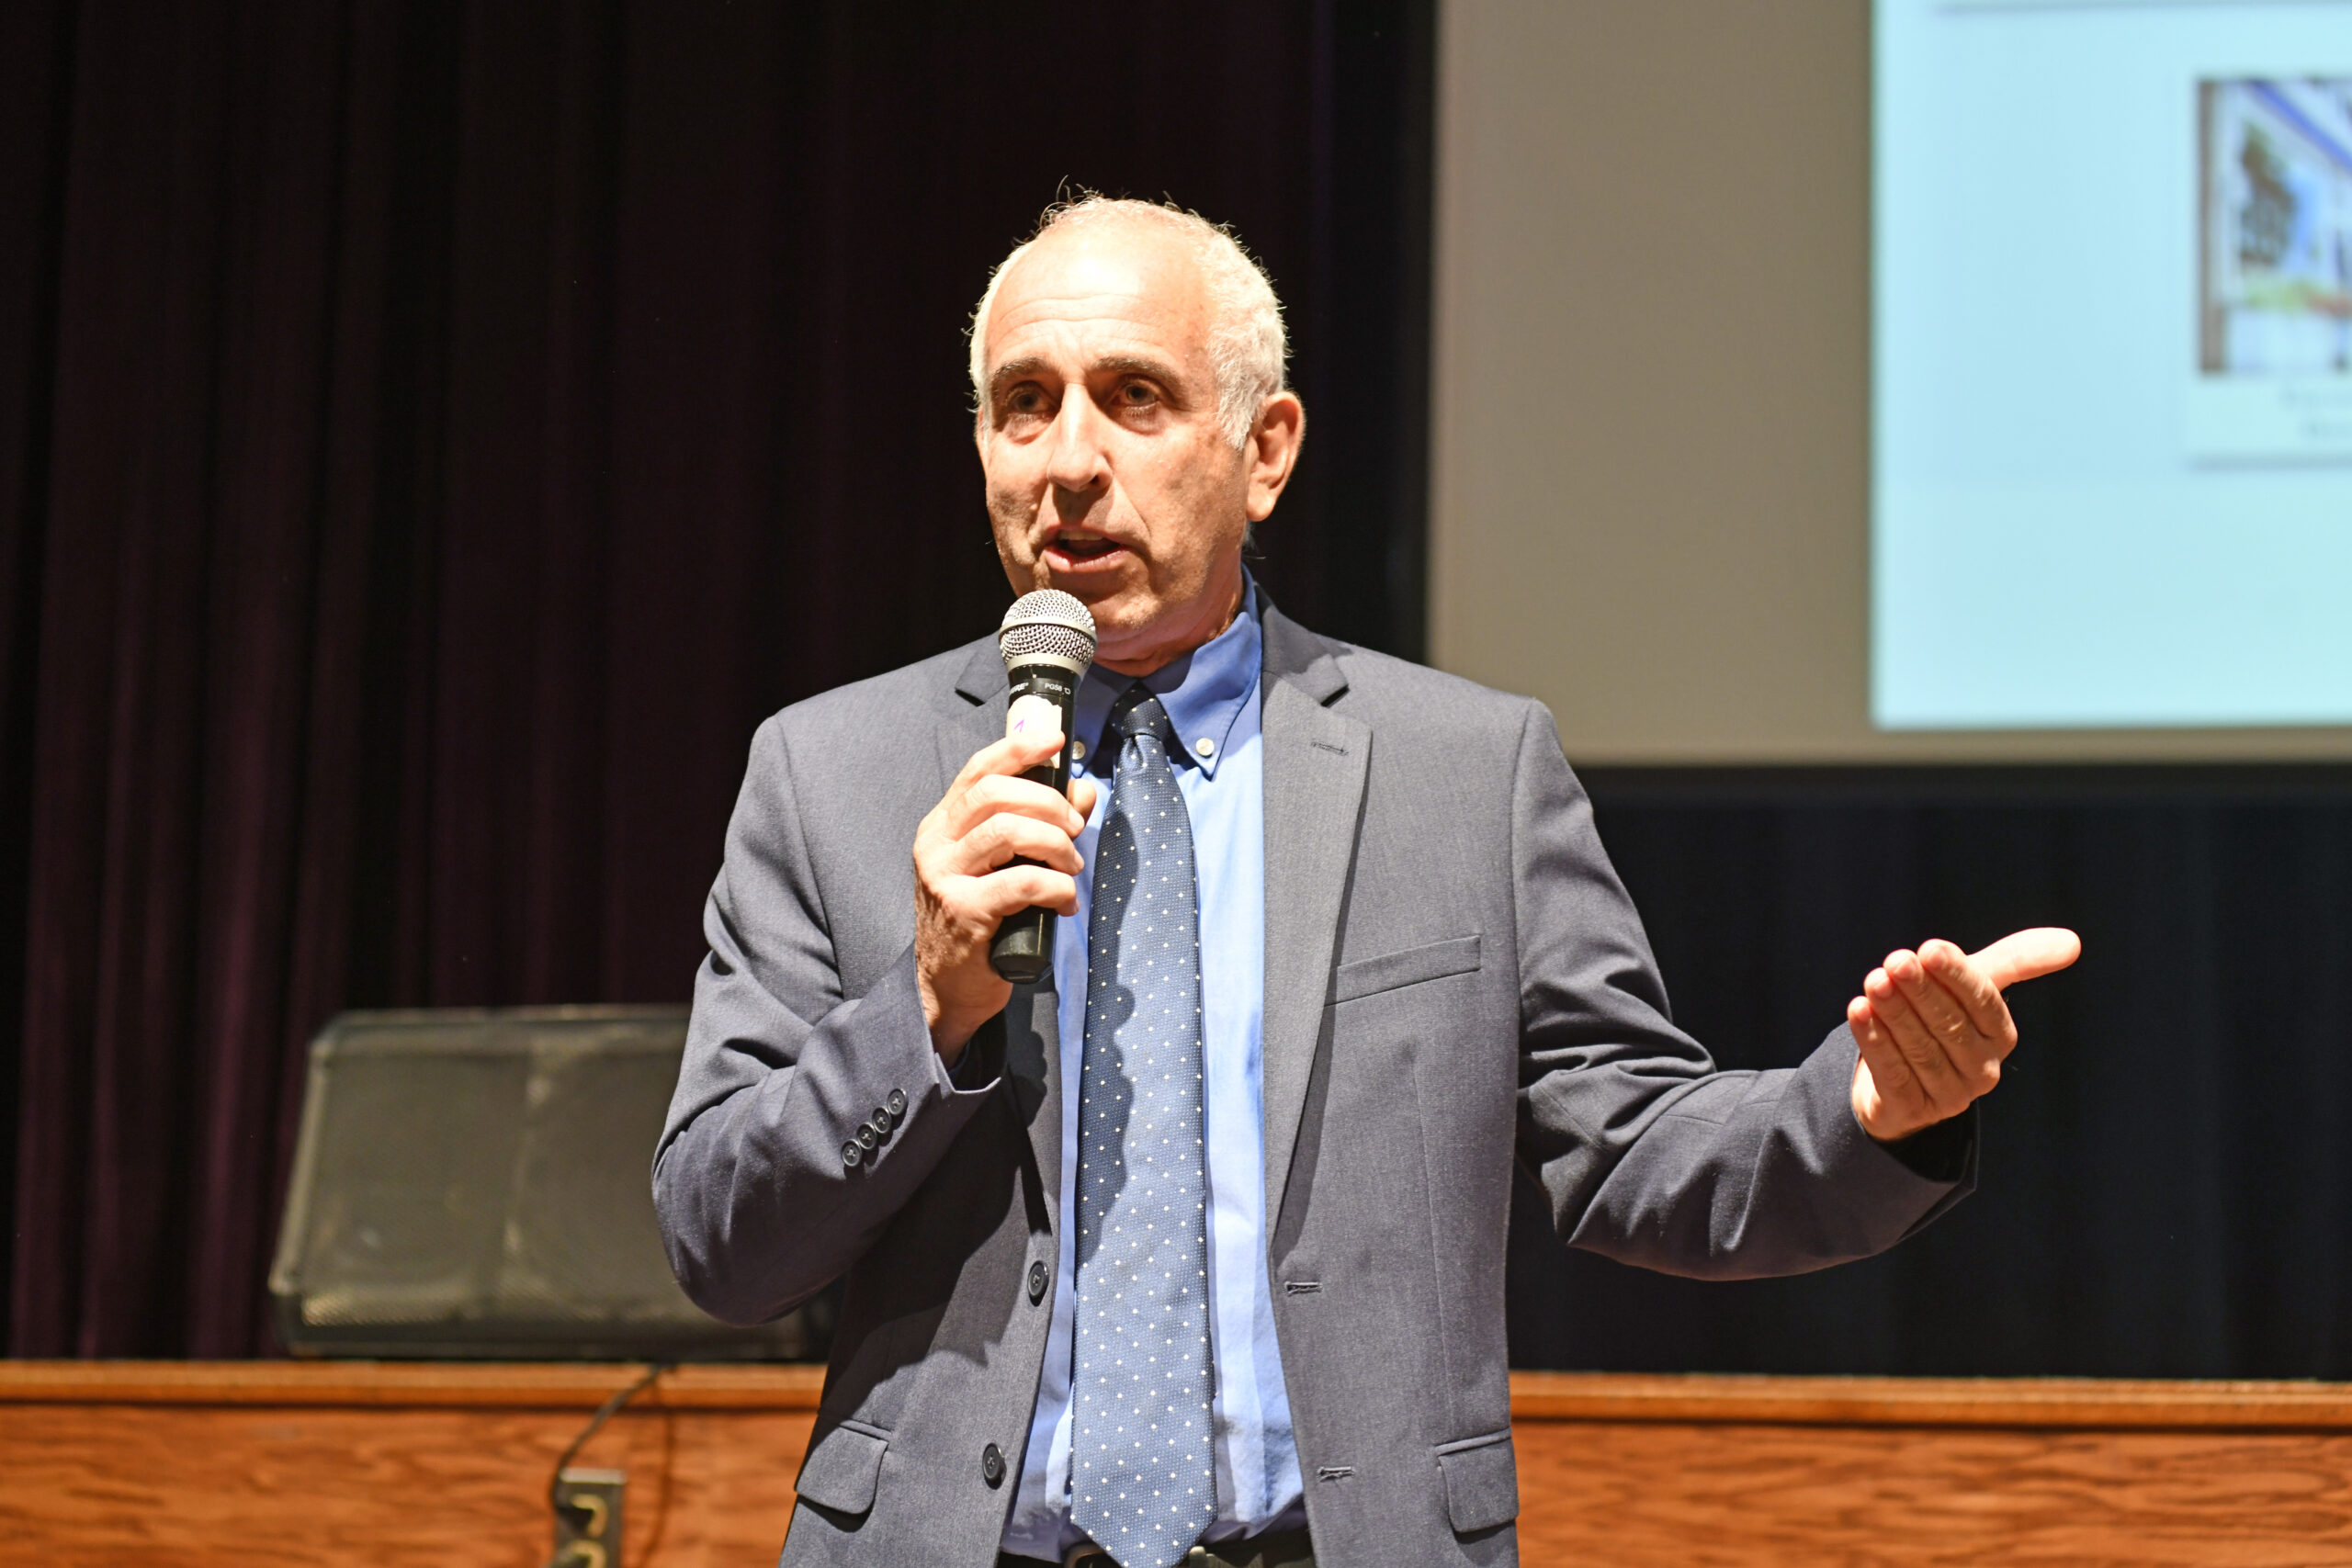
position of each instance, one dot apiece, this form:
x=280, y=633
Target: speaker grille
x=477, y=1183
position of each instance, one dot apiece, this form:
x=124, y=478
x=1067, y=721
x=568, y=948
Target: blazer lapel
x=1316, y=760
x=982, y=686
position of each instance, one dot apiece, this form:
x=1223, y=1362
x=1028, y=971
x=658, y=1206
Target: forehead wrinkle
x=1105, y=307
x=1125, y=347
x=1081, y=303
x=1091, y=273
x=1112, y=317
x=1027, y=364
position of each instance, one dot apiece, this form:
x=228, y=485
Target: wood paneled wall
x=288, y=1464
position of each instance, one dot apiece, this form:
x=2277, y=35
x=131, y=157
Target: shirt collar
x=1205, y=692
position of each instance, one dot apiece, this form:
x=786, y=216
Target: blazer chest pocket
x=844, y=1468
x=1409, y=966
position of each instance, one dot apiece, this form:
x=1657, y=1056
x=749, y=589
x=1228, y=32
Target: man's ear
x=1272, y=451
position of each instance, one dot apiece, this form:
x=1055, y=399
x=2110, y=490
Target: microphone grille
x=1047, y=623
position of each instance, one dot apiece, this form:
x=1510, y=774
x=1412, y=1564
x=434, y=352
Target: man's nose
x=1075, y=460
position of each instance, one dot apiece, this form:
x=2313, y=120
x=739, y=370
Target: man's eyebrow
x=1015, y=370
x=1021, y=369
x=1138, y=365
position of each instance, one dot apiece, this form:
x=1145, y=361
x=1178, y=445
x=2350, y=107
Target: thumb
x=2027, y=954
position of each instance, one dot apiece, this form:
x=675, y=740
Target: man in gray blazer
x=1193, y=1252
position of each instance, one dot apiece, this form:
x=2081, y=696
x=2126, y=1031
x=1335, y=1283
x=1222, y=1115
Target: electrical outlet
x=588, y=1518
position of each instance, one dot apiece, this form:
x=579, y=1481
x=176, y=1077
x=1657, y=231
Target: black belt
x=1275, y=1549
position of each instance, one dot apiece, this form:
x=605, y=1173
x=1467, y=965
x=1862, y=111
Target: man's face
x=1107, y=474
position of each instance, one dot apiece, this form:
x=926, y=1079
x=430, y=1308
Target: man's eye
x=1134, y=394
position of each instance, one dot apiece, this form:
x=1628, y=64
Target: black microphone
x=1047, y=642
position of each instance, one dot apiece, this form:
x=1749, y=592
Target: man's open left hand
x=1934, y=1030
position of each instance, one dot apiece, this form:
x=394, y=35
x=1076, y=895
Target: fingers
x=1963, y=1012
x=1888, y=1100
x=991, y=818
x=2028, y=954
x=1969, y=987
x=996, y=843
x=1921, y=1048
x=1012, y=756
x=994, y=793
x=1940, y=1010
x=987, y=900
x=955, y=919
x=1933, y=1029
x=965, y=911
x=997, y=840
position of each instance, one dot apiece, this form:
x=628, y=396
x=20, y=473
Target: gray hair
x=1247, y=344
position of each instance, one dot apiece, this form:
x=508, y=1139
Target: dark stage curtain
x=433, y=435
x=2166, y=1178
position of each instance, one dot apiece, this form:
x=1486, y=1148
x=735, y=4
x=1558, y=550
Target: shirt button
x=1036, y=1283
x=1204, y=747
x=850, y=1155
x=992, y=1465
x=896, y=1103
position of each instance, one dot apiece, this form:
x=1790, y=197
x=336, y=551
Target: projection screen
x=1967, y=381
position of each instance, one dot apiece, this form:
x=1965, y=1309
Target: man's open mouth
x=1079, y=550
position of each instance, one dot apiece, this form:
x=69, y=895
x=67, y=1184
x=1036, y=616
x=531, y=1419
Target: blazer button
x=881, y=1119
x=896, y=1103
x=867, y=1136
x=850, y=1155
x=992, y=1465
x=1036, y=1283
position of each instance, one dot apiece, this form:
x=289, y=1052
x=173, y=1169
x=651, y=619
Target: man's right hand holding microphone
x=966, y=882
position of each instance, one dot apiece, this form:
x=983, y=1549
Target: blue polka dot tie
x=1142, y=1479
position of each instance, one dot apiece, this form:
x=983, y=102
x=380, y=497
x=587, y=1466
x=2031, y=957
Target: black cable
x=605, y=1413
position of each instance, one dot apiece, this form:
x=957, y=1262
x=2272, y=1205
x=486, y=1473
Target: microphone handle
x=1023, y=948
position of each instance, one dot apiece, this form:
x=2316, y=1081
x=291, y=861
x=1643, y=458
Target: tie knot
x=1137, y=713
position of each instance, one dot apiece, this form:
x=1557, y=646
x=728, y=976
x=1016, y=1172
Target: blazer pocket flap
x=1481, y=1483
x=843, y=1469
x=1455, y=955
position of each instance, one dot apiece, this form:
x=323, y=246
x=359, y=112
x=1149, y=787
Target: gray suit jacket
x=1453, y=973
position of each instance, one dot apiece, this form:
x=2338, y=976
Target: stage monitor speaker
x=477, y=1183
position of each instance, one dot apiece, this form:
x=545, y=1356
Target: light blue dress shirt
x=1210, y=697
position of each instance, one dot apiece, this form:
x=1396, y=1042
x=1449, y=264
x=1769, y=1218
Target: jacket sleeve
x=766, y=1192
x=1648, y=1153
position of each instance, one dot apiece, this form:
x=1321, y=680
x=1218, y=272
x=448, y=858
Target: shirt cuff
x=982, y=1062
x=1939, y=1153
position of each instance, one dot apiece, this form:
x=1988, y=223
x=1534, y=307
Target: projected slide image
x=2275, y=271
x=2111, y=365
